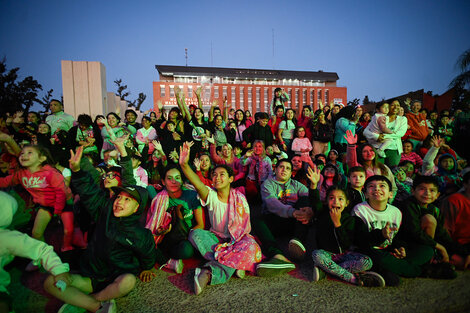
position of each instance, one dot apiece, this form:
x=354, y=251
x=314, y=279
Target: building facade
x=246, y=89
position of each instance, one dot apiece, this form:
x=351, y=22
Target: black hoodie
x=119, y=244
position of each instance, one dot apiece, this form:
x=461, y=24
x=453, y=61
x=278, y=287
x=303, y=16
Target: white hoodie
x=14, y=243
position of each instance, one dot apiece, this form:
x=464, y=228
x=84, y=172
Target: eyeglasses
x=110, y=176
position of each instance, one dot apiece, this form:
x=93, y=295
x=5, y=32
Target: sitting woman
x=228, y=246
x=174, y=212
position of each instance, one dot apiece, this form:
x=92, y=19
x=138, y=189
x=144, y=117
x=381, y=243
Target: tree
x=463, y=65
x=137, y=103
x=123, y=93
x=366, y=100
x=121, y=90
x=45, y=100
x=354, y=102
x=16, y=95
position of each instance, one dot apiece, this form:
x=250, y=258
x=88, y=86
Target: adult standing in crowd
x=58, y=118
x=398, y=125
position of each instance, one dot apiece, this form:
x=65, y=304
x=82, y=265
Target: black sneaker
x=439, y=271
x=318, y=274
x=391, y=279
x=370, y=279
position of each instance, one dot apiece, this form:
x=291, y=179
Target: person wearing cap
x=119, y=249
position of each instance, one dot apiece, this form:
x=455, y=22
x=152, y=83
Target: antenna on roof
x=273, y=48
x=186, y=55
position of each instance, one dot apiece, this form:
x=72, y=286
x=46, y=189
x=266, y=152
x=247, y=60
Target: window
x=162, y=91
x=266, y=90
x=319, y=97
x=234, y=97
x=207, y=93
x=216, y=92
x=172, y=91
x=224, y=91
x=289, y=92
x=297, y=96
x=242, y=96
x=250, y=97
x=258, y=96
x=190, y=91
x=304, y=100
x=312, y=97
x=327, y=100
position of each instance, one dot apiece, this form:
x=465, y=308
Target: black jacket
x=119, y=245
x=256, y=132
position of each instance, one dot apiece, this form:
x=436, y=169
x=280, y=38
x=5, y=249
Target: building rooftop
x=172, y=70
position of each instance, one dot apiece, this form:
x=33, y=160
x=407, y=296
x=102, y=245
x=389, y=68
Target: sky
x=378, y=48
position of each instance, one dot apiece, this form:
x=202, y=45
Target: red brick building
x=248, y=89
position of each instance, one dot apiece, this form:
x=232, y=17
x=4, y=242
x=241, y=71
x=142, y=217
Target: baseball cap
x=133, y=191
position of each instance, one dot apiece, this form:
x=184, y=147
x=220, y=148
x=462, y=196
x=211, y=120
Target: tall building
x=247, y=89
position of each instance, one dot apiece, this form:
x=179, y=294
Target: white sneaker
x=296, y=250
x=108, y=307
x=175, y=265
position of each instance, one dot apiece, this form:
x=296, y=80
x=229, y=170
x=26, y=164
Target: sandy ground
x=292, y=292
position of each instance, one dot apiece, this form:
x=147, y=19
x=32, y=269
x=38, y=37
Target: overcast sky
x=378, y=48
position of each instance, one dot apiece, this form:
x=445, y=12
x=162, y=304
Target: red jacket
x=419, y=128
x=46, y=186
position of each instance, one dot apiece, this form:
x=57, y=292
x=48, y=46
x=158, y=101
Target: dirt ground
x=293, y=292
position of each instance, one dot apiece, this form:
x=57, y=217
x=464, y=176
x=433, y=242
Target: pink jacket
x=46, y=186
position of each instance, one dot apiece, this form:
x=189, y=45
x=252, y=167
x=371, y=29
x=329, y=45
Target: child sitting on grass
x=376, y=227
x=423, y=223
x=227, y=246
x=335, y=229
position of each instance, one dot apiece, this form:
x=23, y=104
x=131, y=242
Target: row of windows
x=221, y=80
x=207, y=94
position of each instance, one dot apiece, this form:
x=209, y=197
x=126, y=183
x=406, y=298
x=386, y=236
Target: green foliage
x=45, y=100
x=354, y=102
x=123, y=93
x=16, y=95
x=463, y=65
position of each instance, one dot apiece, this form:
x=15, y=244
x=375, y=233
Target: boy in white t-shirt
x=377, y=225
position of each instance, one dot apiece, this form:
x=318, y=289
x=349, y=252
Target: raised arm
x=10, y=143
x=198, y=96
x=189, y=173
x=351, y=156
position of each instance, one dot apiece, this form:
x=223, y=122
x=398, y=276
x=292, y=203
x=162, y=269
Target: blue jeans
x=205, y=241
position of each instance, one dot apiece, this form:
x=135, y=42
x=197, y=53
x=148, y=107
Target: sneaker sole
x=296, y=250
x=379, y=278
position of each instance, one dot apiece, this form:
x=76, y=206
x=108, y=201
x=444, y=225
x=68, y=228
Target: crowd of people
x=369, y=196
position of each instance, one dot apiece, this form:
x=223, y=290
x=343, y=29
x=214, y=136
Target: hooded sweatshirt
x=14, y=243
x=119, y=244
x=448, y=179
